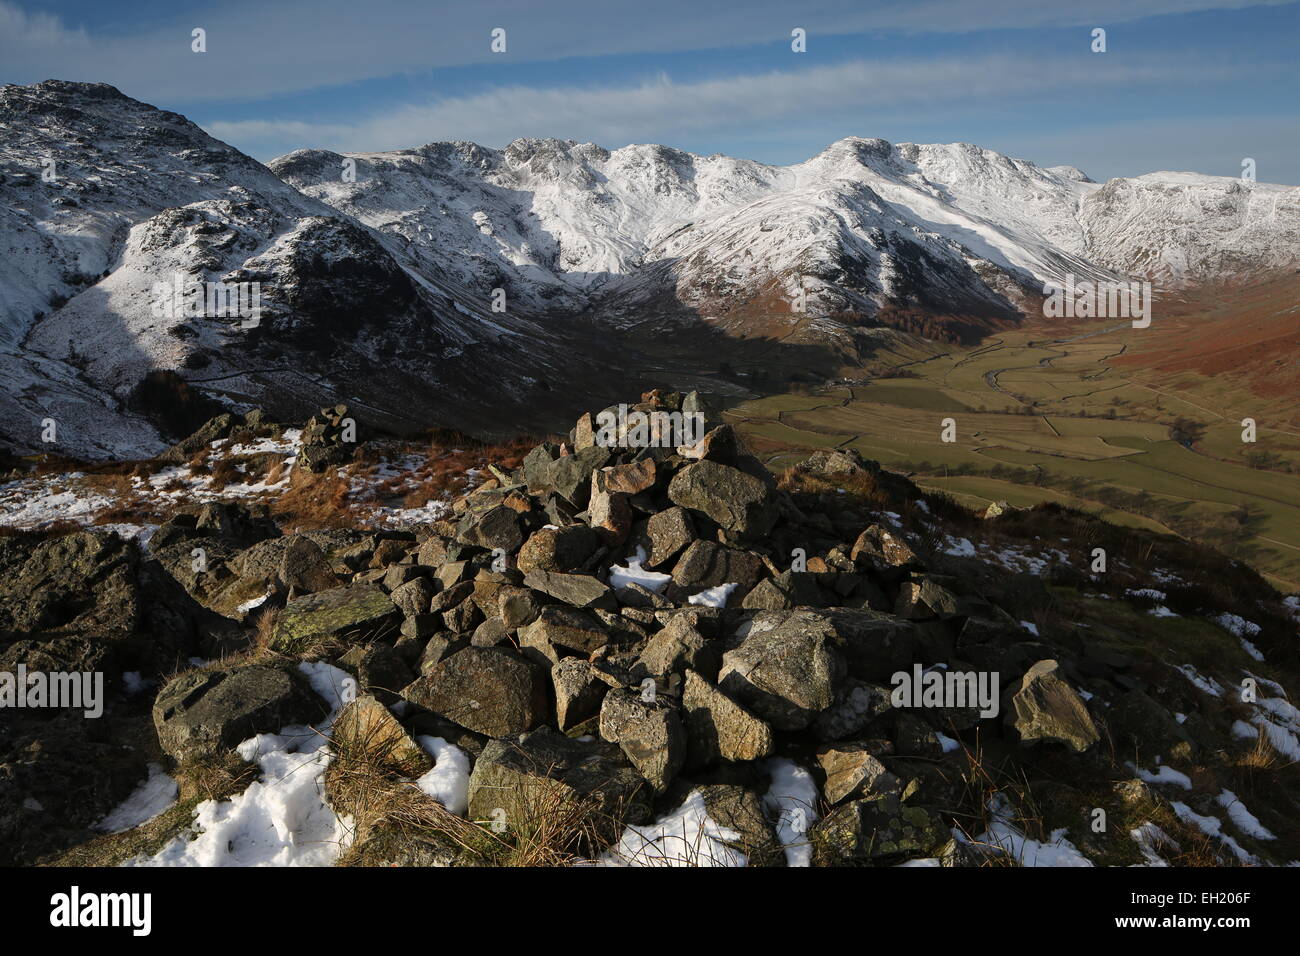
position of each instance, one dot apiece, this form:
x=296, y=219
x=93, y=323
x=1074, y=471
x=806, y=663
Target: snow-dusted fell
x=863, y=226
x=380, y=273
x=103, y=197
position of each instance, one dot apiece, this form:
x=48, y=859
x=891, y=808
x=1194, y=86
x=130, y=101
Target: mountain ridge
x=644, y=263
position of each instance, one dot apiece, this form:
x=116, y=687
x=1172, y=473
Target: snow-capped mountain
x=379, y=272
x=102, y=198
x=862, y=226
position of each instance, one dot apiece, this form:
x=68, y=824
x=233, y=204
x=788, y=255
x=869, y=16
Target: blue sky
x=1184, y=84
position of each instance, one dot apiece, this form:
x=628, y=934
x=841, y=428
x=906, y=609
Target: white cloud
x=663, y=111
x=259, y=48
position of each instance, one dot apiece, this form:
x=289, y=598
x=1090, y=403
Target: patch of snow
x=1243, y=819
x=1207, y=685
x=448, y=781
x=1243, y=730
x=1164, y=774
x=1211, y=826
x=282, y=819
x=253, y=603
x=713, y=597
x=1150, y=839
x=155, y=795
x=687, y=836
x=791, y=800
x=654, y=581
x=1236, y=625
x=1002, y=832
x=960, y=547
x=133, y=683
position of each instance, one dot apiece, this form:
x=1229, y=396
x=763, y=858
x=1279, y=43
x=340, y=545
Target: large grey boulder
x=565, y=627
x=717, y=728
x=878, y=546
x=741, y=810
x=356, y=614
x=676, y=646
x=650, y=733
x=852, y=770
x=366, y=730
x=668, y=532
x=789, y=589
x=706, y=564
x=578, y=692
x=875, y=830
x=304, y=566
x=79, y=583
x=787, y=673
x=575, y=590
x=489, y=690
x=203, y=712
x=557, y=549
x=495, y=528
x=517, y=780
x=737, y=501
x=1046, y=708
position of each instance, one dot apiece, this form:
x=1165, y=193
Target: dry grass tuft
x=314, y=501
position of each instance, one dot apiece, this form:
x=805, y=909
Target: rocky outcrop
x=607, y=635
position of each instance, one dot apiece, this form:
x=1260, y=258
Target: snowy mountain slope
x=377, y=290
x=1179, y=226
x=140, y=196
x=863, y=226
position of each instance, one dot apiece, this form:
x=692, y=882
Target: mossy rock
x=354, y=614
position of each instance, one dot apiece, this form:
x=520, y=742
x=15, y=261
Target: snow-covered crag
x=864, y=225
x=378, y=271
x=103, y=197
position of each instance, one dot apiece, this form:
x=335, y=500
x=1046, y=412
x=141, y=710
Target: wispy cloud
x=261, y=48
x=663, y=111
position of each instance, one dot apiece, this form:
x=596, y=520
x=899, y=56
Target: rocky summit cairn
x=618, y=630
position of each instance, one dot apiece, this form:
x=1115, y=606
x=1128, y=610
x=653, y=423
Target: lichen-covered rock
x=852, y=770
x=489, y=690
x=578, y=692
x=737, y=501
x=356, y=614
x=717, y=728
x=518, y=778
x=874, y=831
x=575, y=590
x=650, y=733
x=365, y=730
x=566, y=627
x=787, y=673
x=557, y=549
x=79, y=583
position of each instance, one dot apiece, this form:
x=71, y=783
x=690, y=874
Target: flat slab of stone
x=203, y=712
x=355, y=614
